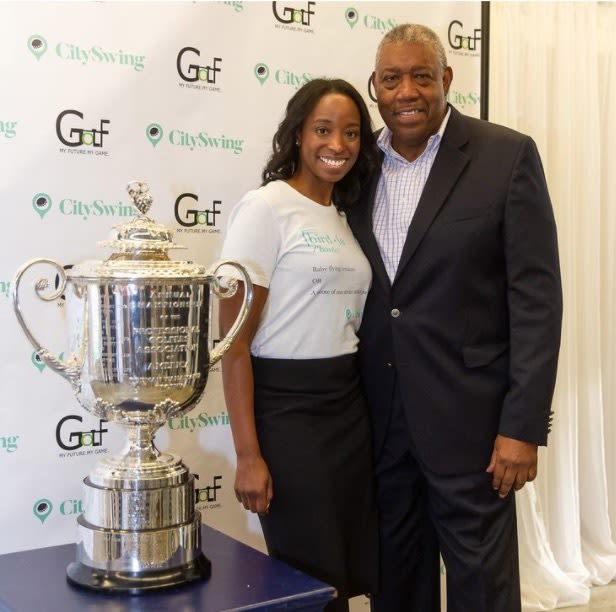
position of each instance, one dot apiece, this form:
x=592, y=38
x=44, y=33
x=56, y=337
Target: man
x=460, y=334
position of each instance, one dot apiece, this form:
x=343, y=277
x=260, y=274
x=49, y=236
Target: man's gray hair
x=414, y=33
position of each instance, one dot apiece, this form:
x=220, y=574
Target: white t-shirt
x=317, y=274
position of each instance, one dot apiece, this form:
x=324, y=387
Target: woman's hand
x=253, y=484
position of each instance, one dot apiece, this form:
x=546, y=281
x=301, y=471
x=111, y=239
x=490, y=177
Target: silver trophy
x=140, y=352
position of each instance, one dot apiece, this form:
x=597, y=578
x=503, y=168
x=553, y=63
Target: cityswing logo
x=194, y=140
x=462, y=100
x=37, y=45
x=202, y=420
x=194, y=75
x=86, y=209
x=193, y=217
x=9, y=443
x=295, y=18
x=43, y=508
x=352, y=17
x=77, y=139
x=8, y=128
x=236, y=5
x=41, y=203
x=282, y=76
x=461, y=42
x=5, y=288
x=369, y=22
x=154, y=133
x=87, y=54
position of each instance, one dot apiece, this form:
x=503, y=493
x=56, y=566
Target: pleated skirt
x=314, y=433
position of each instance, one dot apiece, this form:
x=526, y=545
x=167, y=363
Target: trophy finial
x=140, y=195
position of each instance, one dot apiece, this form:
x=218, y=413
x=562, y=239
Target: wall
x=186, y=96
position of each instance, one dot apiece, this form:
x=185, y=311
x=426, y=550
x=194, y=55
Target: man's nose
x=407, y=88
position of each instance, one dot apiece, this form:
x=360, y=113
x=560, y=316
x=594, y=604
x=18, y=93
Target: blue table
x=242, y=579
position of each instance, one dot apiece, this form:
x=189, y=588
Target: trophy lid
x=140, y=247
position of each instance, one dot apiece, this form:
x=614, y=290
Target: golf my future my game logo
x=208, y=494
x=196, y=72
x=76, y=440
x=196, y=217
x=80, y=134
x=294, y=16
x=463, y=40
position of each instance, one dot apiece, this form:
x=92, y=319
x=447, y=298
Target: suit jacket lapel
x=449, y=163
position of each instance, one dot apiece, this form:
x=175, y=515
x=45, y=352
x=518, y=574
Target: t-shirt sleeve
x=252, y=239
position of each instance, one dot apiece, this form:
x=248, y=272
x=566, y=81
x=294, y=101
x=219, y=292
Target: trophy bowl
x=140, y=348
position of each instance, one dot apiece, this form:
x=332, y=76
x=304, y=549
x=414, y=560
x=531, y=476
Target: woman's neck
x=320, y=193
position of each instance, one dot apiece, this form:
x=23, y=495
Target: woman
x=298, y=419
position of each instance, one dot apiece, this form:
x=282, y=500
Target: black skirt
x=313, y=429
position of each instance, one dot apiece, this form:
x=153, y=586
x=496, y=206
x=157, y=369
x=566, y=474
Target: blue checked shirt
x=398, y=193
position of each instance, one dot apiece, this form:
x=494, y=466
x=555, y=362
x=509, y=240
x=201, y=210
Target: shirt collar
x=384, y=140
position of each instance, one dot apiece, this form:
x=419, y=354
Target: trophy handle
x=223, y=293
x=70, y=371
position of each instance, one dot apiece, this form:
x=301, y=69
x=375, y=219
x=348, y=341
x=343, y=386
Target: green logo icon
x=37, y=45
x=351, y=16
x=154, y=132
x=39, y=364
x=42, y=509
x=262, y=73
x=41, y=202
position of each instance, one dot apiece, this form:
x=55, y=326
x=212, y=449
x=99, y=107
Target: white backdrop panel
x=95, y=94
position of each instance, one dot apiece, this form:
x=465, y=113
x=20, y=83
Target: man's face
x=411, y=89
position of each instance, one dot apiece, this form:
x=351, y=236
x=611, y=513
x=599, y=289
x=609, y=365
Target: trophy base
x=136, y=583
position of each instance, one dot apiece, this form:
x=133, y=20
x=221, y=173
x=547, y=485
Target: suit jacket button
x=395, y=313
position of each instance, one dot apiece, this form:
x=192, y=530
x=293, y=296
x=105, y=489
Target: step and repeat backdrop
x=185, y=96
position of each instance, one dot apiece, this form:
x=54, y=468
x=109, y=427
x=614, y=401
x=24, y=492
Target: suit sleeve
x=534, y=297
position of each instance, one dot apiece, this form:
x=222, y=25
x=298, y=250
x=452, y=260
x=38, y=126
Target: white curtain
x=553, y=76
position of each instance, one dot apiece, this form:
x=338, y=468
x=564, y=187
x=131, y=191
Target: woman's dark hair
x=283, y=162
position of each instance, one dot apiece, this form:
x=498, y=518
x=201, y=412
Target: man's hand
x=513, y=464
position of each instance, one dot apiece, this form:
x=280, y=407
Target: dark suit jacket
x=471, y=324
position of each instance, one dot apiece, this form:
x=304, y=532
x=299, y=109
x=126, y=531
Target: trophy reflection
x=140, y=352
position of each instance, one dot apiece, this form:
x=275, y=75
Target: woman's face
x=329, y=140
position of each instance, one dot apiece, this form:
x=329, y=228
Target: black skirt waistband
x=306, y=375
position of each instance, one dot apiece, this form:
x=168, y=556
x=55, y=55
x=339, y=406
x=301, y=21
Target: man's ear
x=447, y=79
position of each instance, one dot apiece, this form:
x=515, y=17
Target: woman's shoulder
x=270, y=193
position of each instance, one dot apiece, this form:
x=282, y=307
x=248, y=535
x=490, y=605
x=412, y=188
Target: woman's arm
x=253, y=483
